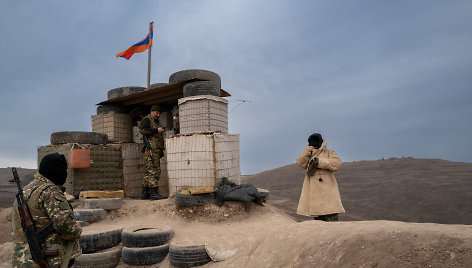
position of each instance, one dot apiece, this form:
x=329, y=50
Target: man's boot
x=155, y=194
x=145, y=194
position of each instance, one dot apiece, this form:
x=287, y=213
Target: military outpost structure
x=198, y=148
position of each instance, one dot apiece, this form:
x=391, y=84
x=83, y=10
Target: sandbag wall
x=104, y=173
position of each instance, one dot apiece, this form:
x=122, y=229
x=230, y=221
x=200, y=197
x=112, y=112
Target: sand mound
x=209, y=213
x=266, y=237
x=358, y=244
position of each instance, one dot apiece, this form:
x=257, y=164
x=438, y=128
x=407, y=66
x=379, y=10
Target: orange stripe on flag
x=132, y=50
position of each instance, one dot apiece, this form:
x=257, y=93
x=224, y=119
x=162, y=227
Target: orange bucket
x=79, y=158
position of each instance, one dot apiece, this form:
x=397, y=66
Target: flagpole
x=149, y=57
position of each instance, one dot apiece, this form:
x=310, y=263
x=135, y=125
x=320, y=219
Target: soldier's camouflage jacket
x=148, y=126
x=46, y=202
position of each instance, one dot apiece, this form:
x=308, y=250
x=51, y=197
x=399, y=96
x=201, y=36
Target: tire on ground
x=144, y=256
x=97, y=241
x=201, y=88
x=123, y=91
x=106, y=259
x=83, y=223
x=188, y=200
x=146, y=236
x=265, y=192
x=103, y=203
x=89, y=215
x=80, y=137
x=188, y=256
x=117, y=108
x=186, y=75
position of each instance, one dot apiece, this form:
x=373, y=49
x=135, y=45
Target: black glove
x=312, y=166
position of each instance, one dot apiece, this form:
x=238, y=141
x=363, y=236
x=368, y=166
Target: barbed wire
x=241, y=102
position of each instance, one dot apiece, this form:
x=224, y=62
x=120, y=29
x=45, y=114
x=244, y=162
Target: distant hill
x=8, y=189
x=399, y=189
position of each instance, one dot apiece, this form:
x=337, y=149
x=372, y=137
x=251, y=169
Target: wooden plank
x=167, y=94
x=102, y=194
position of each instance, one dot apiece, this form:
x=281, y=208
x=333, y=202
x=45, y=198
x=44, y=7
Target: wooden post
x=149, y=57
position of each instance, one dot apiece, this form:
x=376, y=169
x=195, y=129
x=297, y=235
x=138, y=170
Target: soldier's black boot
x=155, y=194
x=145, y=193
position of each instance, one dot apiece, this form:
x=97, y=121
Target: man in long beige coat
x=320, y=194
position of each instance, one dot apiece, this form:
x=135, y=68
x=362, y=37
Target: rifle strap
x=67, y=255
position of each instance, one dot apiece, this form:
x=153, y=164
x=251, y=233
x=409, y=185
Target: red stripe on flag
x=139, y=47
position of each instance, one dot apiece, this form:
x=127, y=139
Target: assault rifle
x=147, y=145
x=34, y=237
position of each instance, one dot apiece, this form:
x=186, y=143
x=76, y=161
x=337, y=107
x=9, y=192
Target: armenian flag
x=139, y=47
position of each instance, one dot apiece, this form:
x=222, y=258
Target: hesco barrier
x=134, y=168
x=117, y=126
x=137, y=136
x=165, y=120
x=203, y=113
x=105, y=172
x=201, y=160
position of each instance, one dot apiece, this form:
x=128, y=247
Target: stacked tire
x=145, y=245
x=100, y=249
x=89, y=215
x=95, y=209
x=123, y=91
x=203, y=82
x=188, y=256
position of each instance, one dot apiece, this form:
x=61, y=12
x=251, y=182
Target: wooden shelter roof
x=166, y=94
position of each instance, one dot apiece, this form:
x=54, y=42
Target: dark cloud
x=377, y=79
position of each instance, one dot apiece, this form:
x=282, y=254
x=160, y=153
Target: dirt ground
x=267, y=237
x=382, y=199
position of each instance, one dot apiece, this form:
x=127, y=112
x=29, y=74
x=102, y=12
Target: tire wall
x=105, y=172
x=134, y=168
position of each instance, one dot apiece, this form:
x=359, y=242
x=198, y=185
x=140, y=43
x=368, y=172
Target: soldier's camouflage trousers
x=153, y=169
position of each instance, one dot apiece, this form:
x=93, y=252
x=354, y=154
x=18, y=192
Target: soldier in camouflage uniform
x=149, y=126
x=47, y=202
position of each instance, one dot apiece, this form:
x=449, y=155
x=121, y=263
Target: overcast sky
x=375, y=78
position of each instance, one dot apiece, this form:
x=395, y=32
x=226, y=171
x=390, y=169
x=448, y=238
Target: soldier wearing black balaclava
x=47, y=203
